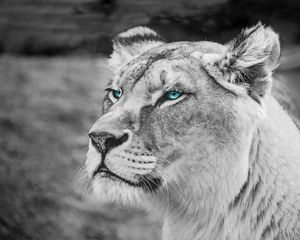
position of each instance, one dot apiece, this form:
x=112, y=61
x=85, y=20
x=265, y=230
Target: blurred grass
x=47, y=107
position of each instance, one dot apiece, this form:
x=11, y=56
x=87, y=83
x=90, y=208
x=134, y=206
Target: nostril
x=114, y=142
x=124, y=138
x=104, y=141
x=92, y=135
x=98, y=140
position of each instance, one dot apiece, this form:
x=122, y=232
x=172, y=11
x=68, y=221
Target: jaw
x=109, y=191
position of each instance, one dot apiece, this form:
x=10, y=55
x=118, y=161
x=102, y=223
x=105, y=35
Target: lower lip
x=112, y=176
x=104, y=174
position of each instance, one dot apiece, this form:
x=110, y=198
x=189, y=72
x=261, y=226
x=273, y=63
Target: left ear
x=132, y=43
x=247, y=63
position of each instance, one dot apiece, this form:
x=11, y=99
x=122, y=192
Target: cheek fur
x=168, y=125
x=107, y=103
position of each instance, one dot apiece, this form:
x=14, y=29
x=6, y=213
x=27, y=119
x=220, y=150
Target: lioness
x=191, y=132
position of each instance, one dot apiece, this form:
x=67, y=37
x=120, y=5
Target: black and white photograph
x=149, y=120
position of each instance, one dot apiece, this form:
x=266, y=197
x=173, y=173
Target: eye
x=117, y=93
x=173, y=94
x=114, y=94
x=171, y=97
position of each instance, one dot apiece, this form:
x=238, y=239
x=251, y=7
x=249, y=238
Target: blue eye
x=173, y=94
x=117, y=93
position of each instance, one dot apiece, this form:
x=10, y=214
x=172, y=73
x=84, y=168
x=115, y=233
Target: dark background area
x=52, y=81
x=40, y=27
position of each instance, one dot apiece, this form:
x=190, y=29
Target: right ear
x=132, y=43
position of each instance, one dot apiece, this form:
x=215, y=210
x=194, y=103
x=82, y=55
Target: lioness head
x=177, y=117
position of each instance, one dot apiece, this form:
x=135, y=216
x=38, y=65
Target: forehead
x=136, y=69
x=167, y=64
x=176, y=73
x=152, y=68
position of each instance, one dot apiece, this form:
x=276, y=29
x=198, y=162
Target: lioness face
x=167, y=124
x=162, y=124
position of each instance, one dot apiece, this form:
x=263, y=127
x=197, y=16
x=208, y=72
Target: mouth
x=147, y=182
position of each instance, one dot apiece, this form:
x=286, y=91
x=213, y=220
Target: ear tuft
x=256, y=45
x=132, y=43
x=248, y=60
x=137, y=35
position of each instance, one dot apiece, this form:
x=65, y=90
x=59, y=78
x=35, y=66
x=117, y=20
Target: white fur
x=234, y=170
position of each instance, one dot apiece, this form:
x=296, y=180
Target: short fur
x=226, y=155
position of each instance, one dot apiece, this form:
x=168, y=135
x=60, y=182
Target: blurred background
x=51, y=87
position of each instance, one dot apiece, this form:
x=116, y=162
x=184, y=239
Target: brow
x=163, y=76
x=110, y=83
x=139, y=68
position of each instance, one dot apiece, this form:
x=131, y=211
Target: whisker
x=83, y=181
x=176, y=186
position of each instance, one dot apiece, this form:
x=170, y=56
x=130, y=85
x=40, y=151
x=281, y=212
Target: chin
x=114, y=191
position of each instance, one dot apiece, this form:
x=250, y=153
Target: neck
x=184, y=222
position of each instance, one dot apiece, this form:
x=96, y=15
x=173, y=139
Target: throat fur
x=260, y=211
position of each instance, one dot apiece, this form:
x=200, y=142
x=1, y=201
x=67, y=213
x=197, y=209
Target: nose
x=105, y=141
